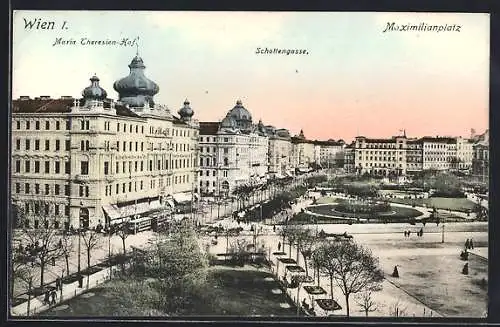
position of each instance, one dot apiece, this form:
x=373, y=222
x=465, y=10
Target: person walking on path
x=471, y=244
x=467, y=244
x=53, y=296
x=46, y=298
x=279, y=246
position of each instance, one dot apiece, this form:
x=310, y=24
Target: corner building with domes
x=92, y=160
x=233, y=152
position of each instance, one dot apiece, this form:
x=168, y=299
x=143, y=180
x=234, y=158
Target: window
x=67, y=167
x=37, y=166
x=18, y=187
x=47, y=145
x=56, y=212
x=27, y=166
x=106, y=168
x=27, y=144
x=47, y=189
x=84, y=167
x=37, y=125
x=67, y=145
x=56, y=189
x=47, y=167
x=87, y=125
x=18, y=144
x=18, y=166
x=58, y=125
x=27, y=125
x=68, y=125
x=47, y=125
x=27, y=188
x=57, y=167
x=66, y=190
x=57, y=145
x=18, y=125
x=81, y=191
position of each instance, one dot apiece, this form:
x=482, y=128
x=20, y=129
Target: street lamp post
x=79, y=240
x=442, y=233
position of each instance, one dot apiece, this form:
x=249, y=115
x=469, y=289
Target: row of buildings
x=401, y=155
x=93, y=160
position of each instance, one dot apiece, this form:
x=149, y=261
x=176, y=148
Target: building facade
x=329, y=154
x=93, y=160
x=232, y=152
x=303, y=154
x=382, y=157
x=481, y=157
x=280, y=152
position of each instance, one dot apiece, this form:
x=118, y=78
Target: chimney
x=24, y=97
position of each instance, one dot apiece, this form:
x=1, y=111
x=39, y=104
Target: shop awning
x=182, y=197
x=111, y=211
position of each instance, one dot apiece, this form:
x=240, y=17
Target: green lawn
x=226, y=292
x=396, y=214
x=455, y=204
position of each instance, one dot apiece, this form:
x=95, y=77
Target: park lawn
x=227, y=292
x=326, y=200
x=437, y=281
x=455, y=204
x=396, y=214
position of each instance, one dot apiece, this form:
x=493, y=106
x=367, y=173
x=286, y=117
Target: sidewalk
x=68, y=291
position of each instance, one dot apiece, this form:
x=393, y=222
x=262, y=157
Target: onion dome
x=94, y=91
x=228, y=122
x=240, y=113
x=136, y=89
x=186, y=112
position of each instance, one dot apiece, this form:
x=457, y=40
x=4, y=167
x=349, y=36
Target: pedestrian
x=279, y=246
x=409, y=233
x=80, y=281
x=53, y=295
x=467, y=244
x=53, y=261
x=405, y=233
x=46, y=298
x=274, y=228
x=471, y=244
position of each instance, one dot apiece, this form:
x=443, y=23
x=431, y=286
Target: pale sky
x=355, y=79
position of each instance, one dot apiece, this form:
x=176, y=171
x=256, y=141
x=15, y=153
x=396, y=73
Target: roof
x=438, y=139
x=327, y=143
x=209, y=128
x=54, y=106
x=38, y=105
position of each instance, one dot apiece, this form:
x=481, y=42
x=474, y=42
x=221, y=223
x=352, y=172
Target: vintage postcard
x=192, y=164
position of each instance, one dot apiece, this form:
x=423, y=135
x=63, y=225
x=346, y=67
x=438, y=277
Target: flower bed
x=279, y=253
x=295, y=269
x=315, y=290
x=287, y=260
x=328, y=304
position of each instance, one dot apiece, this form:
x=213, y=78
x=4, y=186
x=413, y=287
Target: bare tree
x=90, y=240
x=366, y=302
x=397, y=309
x=305, y=241
x=352, y=267
x=45, y=242
x=123, y=232
x=67, y=246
